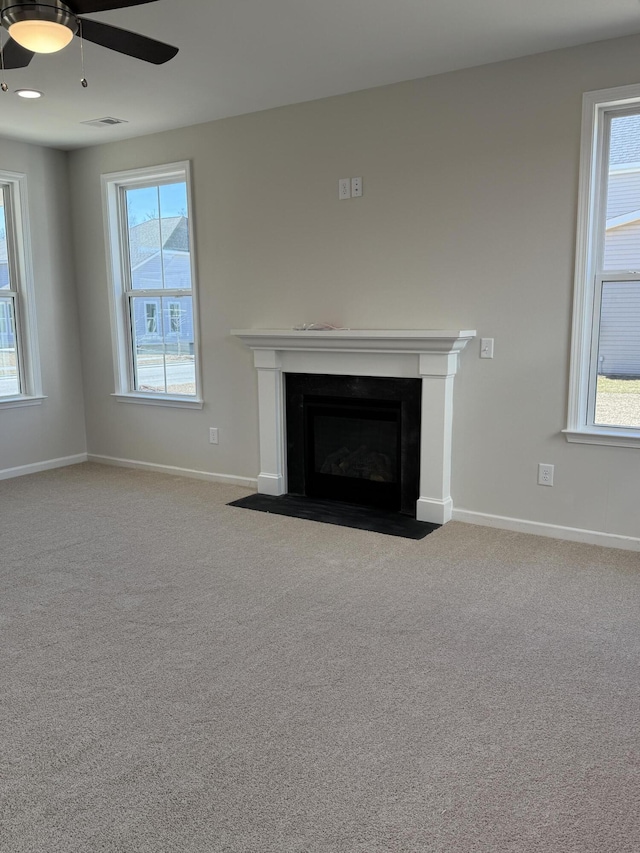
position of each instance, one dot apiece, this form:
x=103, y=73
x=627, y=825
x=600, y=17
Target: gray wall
x=55, y=429
x=467, y=221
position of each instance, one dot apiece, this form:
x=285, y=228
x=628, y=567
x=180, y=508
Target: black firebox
x=354, y=439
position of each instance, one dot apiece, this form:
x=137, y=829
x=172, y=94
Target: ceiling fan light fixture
x=41, y=36
x=45, y=27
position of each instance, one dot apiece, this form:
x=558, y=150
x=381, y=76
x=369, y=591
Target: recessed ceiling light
x=29, y=93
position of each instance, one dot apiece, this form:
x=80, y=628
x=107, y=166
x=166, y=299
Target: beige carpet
x=180, y=675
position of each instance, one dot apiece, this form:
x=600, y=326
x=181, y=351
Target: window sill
x=19, y=402
x=159, y=400
x=611, y=437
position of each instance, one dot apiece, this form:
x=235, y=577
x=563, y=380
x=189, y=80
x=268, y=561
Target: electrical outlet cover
x=344, y=188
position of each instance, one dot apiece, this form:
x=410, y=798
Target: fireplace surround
x=430, y=356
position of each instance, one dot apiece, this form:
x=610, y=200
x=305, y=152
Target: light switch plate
x=486, y=347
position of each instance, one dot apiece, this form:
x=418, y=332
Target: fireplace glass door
x=353, y=450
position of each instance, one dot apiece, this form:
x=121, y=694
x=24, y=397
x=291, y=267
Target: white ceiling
x=239, y=56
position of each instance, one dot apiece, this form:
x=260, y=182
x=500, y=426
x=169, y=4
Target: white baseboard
x=555, y=531
x=246, y=482
x=47, y=465
x=519, y=525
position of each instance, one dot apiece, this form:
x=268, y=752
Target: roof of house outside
x=145, y=238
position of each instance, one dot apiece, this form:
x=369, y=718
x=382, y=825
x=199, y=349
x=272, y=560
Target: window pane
x=4, y=258
x=142, y=205
x=145, y=240
x=175, y=235
x=618, y=385
x=622, y=234
x=159, y=237
x=163, y=342
x=9, y=379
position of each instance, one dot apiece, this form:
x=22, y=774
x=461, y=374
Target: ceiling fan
x=49, y=26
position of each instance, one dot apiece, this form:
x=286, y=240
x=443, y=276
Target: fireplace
x=354, y=439
x=430, y=356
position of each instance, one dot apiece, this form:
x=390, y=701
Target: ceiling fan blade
x=15, y=56
x=124, y=41
x=84, y=7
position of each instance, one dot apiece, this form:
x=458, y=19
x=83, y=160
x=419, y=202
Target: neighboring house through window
x=604, y=405
x=153, y=283
x=19, y=366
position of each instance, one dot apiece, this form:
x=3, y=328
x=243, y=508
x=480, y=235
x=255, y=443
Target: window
x=7, y=329
x=154, y=312
x=19, y=374
x=174, y=318
x=604, y=404
x=151, y=311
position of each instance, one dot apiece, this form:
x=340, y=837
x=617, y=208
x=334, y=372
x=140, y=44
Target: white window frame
x=21, y=292
x=113, y=187
x=594, y=154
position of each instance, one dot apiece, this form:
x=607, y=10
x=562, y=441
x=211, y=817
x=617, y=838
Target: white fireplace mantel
x=429, y=355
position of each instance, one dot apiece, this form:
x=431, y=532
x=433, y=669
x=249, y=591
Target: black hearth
x=354, y=439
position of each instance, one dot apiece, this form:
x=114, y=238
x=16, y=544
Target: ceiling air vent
x=107, y=121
